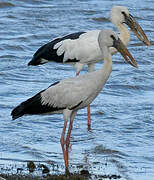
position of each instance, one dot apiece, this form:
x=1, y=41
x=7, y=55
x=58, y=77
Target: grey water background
x=121, y=140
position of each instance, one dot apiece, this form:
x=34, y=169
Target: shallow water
x=121, y=140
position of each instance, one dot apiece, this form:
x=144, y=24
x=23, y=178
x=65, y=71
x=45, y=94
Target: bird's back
x=77, y=47
x=47, y=52
x=77, y=92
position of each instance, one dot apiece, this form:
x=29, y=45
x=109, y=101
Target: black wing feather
x=48, y=53
x=33, y=106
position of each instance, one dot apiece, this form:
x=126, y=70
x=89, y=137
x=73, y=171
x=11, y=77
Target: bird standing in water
x=69, y=95
x=82, y=48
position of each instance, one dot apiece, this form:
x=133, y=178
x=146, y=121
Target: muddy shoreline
x=56, y=177
x=40, y=171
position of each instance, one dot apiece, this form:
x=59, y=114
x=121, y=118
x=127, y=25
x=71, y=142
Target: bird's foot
x=89, y=127
x=67, y=172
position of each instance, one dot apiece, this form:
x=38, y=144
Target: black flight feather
x=48, y=53
x=33, y=106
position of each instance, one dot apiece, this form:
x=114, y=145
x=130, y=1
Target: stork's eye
x=112, y=37
x=123, y=13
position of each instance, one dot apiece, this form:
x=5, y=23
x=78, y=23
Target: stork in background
x=72, y=94
x=82, y=48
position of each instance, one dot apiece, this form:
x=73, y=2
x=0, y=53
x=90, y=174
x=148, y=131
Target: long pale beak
x=136, y=28
x=118, y=44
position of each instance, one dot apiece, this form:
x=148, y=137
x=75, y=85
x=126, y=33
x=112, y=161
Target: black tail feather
x=34, y=105
x=30, y=106
x=18, y=112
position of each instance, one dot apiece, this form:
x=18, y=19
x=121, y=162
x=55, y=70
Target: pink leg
x=68, y=143
x=65, y=143
x=69, y=133
x=77, y=73
x=89, y=119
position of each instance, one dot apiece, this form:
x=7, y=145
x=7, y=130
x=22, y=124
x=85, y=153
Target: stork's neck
x=107, y=66
x=124, y=36
x=124, y=33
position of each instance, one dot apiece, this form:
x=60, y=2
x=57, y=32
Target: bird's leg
x=70, y=128
x=77, y=73
x=89, y=119
x=67, y=114
x=68, y=138
x=67, y=144
x=62, y=140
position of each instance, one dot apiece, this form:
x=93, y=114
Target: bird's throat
x=124, y=33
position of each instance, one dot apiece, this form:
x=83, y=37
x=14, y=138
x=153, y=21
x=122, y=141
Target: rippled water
x=121, y=140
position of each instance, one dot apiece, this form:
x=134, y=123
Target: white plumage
x=85, y=48
x=72, y=94
x=82, y=48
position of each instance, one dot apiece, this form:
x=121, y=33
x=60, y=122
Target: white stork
x=72, y=94
x=82, y=48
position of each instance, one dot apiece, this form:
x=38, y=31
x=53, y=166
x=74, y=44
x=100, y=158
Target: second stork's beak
x=118, y=44
x=136, y=28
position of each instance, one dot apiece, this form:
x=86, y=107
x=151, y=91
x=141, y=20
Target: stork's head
x=121, y=15
x=116, y=14
x=108, y=38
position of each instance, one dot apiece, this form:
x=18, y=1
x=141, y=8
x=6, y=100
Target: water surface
x=121, y=140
